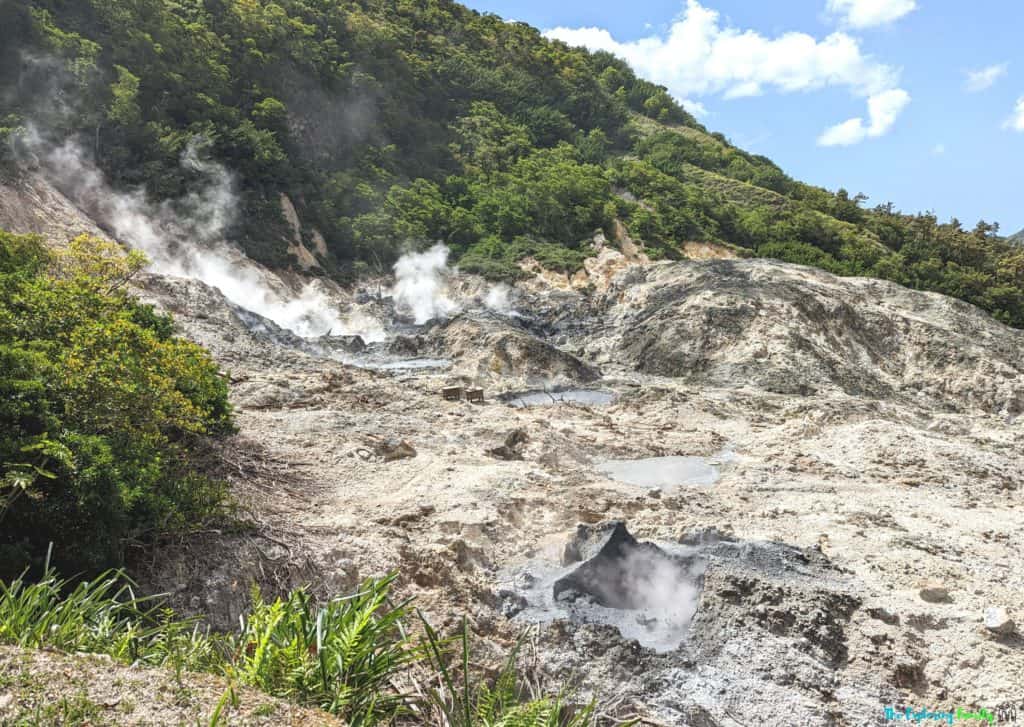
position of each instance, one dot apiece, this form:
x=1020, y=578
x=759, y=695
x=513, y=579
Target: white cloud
x=984, y=78
x=883, y=110
x=698, y=55
x=939, y=149
x=869, y=13
x=844, y=134
x=1016, y=121
x=695, y=107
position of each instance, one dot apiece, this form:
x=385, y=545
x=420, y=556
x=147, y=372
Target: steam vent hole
x=608, y=577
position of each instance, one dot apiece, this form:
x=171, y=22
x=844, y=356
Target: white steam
x=186, y=238
x=422, y=288
x=651, y=597
x=421, y=284
x=498, y=300
x=662, y=588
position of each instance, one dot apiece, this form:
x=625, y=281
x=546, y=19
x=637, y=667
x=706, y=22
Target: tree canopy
x=395, y=123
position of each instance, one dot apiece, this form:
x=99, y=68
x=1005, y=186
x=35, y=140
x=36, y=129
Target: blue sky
x=918, y=102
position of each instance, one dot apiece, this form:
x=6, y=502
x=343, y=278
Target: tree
x=487, y=140
x=124, y=106
x=100, y=407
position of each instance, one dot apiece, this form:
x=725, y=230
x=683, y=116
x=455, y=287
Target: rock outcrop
x=491, y=348
x=796, y=330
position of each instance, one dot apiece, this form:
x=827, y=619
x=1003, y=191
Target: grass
x=77, y=711
x=347, y=656
x=100, y=616
x=462, y=698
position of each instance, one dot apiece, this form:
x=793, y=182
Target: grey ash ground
x=875, y=456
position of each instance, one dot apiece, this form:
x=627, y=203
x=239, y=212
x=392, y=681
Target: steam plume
x=420, y=284
x=662, y=588
x=498, y=300
x=186, y=238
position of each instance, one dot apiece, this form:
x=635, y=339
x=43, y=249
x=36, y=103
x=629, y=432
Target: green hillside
x=397, y=123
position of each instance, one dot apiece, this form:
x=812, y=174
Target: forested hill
x=402, y=122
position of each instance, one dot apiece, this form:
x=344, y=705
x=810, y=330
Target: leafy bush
x=498, y=260
x=100, y=409
x=800, y=253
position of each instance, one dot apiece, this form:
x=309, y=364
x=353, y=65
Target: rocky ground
x=860, y=549
x=873, y=437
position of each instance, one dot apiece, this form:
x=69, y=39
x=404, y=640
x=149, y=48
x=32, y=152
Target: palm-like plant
x=464, y=699
x=342, y=657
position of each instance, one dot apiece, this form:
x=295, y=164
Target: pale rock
x=998, y=621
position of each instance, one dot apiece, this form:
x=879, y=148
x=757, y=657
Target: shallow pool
x=663, y=472
x=407, y=364
x=588, y=397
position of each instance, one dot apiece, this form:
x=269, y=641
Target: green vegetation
x=395, y=123
x=340, y=657
x=101, y=410
x=462, y=699
x=345, y=656
x=78, y=711
x=101, y=616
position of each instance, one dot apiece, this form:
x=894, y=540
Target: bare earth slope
x=49, y=688
x=896, y=457
x=868, y=446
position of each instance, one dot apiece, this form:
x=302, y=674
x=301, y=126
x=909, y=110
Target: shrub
x=100, y=409
x=800, y=253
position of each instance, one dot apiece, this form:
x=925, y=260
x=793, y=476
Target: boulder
x=488, y=347
x=346, y=344
x=393, y=449
x=511, y=448
x=617, y=571
x=934, y=592
x=999, y=622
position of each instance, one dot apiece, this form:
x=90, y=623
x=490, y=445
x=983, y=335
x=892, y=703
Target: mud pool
x=587, y=397
x=407, y=364
x=666, y=472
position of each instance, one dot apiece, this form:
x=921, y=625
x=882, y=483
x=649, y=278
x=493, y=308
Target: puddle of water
x=589, y=397
x=664, y=472
x=408, y=364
